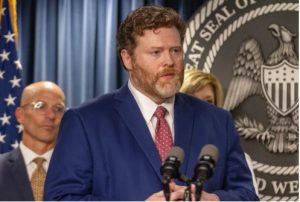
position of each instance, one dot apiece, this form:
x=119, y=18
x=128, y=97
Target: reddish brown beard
x=148, y=84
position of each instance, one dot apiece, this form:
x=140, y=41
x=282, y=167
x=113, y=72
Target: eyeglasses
x=41, y=106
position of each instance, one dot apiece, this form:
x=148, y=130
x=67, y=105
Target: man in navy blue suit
x=40, y=113
x=106, y=147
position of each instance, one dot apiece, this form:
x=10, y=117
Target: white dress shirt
x=148, y=107
x=29, y=156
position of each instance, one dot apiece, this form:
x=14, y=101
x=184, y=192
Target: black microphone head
x=176, y=152
x=209, y=150
x=170, y=166
x=206, y=162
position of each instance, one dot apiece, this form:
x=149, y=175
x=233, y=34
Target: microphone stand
x=166, y=187
x=199, y=187
x=187, y=192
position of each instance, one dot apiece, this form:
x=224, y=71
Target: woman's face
x=207, y=94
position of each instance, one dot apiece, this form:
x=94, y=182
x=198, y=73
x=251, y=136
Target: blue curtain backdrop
x=72, y=42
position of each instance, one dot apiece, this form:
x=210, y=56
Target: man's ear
x=127, y=59
x=19, y=114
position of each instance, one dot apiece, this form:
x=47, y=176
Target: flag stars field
x=10, y=100
x=15, y=82
x=2, y=74
x=5, y=119
x=18, y=64
x=15, y=144
x=4, y=56
x=2, y=136
x=9, y=37
x=10, y=83
x=20, y=128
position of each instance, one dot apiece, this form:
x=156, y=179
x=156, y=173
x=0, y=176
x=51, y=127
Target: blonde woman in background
x=207, y=87
x=203, y=86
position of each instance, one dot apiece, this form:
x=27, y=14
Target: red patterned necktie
x=163, y=136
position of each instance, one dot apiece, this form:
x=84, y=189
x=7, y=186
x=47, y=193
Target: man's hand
x=209, y=197
x=204, y=195
x=176, y=193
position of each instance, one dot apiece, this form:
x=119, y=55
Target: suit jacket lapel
x=183, y=123
x=19, y=174
x=132, y=116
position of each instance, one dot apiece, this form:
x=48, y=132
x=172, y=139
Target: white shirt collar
x=29, y=155
x=148, y=106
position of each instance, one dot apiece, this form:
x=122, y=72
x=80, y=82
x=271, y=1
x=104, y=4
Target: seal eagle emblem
x=276, y=80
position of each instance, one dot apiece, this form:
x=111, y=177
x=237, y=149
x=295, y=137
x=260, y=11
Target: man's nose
x=169, y=59
x=51, y=113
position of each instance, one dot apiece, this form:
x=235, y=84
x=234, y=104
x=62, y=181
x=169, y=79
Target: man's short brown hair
x=147, y=18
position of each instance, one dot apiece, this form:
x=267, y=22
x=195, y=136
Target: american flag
x=10, y=84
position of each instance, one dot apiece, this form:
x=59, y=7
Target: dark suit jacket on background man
x=14, y=181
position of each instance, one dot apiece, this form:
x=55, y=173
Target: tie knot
x=160, y=112
x=39, y=161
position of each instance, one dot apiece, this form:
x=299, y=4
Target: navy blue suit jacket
x=14, y=181
x=105, y=151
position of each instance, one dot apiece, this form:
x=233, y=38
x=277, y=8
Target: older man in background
x=23, y=170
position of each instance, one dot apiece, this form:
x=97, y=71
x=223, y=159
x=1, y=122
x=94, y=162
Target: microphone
x=205, y=167
x=170, y=168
